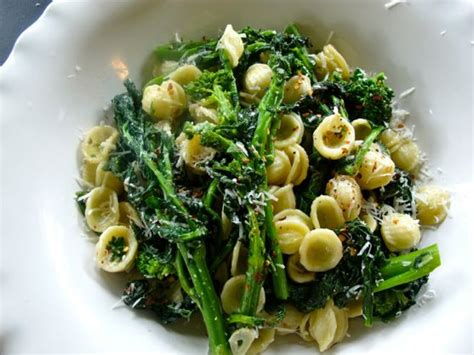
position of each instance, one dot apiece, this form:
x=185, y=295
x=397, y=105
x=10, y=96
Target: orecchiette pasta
x=167, y=67
x=342, y=321
x=354, y=308
x=330, y=60
x=238, y=264
x=102, y=209
x=290, y=323
x=232, y=293
x=116, y=249
x=257, y=79
x=296, y=88
x=297, y=272
x=294, y=214
x=278, y=171
x=320, y=250
x=185, y=74
x=98, y=143
x=201, y=113
x=362, y=128
x=432, y=204
x=303, y=328
x=232, y=44
x=282, y=198
x=194, y=153
x=369, y=220
x=326, y=213
x=299, y=164
x=347, y=194
x=226, y=225
x=407, y=156
x=128, y=215
x=241, y=340
x=107, y=179
x=290, y=233
x=334, y=137
x=290, y=131
x=323, y=326
x=376, y=170
x=266, y=336
x=400, y=232
x=89, y=170
x=391, y=140
x=166, y=101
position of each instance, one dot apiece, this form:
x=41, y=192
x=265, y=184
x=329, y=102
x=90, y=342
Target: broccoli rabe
x=155, y=264
x=367, y=97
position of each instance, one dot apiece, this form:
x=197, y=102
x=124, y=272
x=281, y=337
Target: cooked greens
x=196, y=151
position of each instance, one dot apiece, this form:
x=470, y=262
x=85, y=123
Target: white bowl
x=61, y=75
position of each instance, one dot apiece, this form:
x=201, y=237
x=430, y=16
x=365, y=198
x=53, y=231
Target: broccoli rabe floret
x=367, y=97
x=154, y=264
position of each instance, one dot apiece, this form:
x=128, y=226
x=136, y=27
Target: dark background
x=15, y=17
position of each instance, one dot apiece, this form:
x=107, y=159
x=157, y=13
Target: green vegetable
x=367, y=97
x=365, y=269
x=116, y=248
x=155, y=264
x=390, y=303
x=153, y=295
x=350, y=165
x=150, y=151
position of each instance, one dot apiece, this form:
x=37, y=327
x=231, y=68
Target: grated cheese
x=442, y=33
x=407, y=92
x=393, y=3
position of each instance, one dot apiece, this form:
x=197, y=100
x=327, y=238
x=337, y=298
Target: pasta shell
x=323, y=326
x=98, y=143
x=290, y=233
x=194, y=153
x=232, y=44
x=290, y=132
x=257, y=79
x=265, y=337
x=326, y=213
x=290, y=323
x=279, y=170
x=297, y=272
x=347, y=194
x=238, y=265
x=362, y=128
x=320, y=250
x=241, y=340
x=107, y=179
x=293, y=214
x=185, y=74
x=128, y=215
x=102, y=209
x=116, y=249
x=334, y=137
x=299, y=164
x=232, y=293
x=329, y=60
x=376, y=170
x=432, y=204
x=400, y=232
x=166, y=101
x=282, y=198
x=296, y=88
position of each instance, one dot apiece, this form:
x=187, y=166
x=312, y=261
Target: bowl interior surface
x=64, y=72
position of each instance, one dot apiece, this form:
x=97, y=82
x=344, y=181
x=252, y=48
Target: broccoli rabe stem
x=302, y=53
x=267, y=116
x=208, y=301
x=194, y=256
x=255, y=274
x=405, y=268
x=353, y=167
